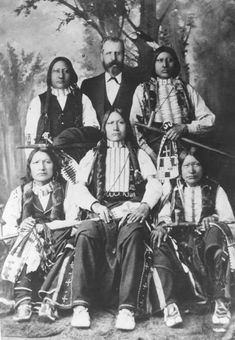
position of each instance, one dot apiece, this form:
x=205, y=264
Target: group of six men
x=119, y=181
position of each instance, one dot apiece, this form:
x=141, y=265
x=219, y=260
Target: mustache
x=113, y=63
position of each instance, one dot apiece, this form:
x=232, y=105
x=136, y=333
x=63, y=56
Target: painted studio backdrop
x=34, y=32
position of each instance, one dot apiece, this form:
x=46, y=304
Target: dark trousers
x=198, y=253
x=27, y=286
x=106, y=265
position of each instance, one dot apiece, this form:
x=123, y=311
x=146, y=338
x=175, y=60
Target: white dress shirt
x=89, y=117
x=112, y=86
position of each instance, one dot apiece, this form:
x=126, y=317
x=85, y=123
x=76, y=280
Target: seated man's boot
x=47, y=312
x=125, y=320
x=172, y=315
x=23, y=312
x=222, y=316
x=81, y=317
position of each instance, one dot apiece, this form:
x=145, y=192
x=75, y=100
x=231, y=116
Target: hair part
x=114, y=40
x=57, y=188
x=54, y=159
x=101, y=149
x=129, y=132
x=194, y=152
x=73, y=81
x=73, y=74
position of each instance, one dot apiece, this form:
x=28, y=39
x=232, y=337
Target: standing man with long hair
x=171, y=105
x=61, y=106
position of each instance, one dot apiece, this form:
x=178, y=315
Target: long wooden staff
x=54, y=225
x=190, y=141
x=57, y=147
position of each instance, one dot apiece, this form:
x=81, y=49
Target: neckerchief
x=42, y=190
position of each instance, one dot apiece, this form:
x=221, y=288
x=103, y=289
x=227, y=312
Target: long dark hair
x=57, y=211
x=54, y=159
x=171, y=51
x=101, y=150
x=72, y=84
x=129, y=132
x=73, y=74
x=197, y=154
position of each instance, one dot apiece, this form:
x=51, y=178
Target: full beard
x=114, y=68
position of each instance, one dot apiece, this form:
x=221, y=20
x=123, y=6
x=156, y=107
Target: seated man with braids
x=197, y=250
x=118, y=187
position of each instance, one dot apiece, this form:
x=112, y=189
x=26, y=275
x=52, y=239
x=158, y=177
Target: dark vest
x=38, y=212
x=35, y=209
x=95, y=89
x=184, y=99
x=116, y=103
x=107, y=105
x=209, y=190
x=57, y=120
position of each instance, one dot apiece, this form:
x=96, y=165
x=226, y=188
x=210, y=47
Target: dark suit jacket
x=95, y=89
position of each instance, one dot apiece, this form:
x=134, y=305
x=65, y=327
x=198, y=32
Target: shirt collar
x=118, y=77
x=42, y=190
x=60, y=92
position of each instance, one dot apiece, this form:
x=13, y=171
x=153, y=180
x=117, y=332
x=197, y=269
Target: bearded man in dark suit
x=115, y=86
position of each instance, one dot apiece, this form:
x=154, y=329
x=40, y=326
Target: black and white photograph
x=117, y=169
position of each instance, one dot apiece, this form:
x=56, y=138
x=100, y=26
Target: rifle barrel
x=190, y=141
